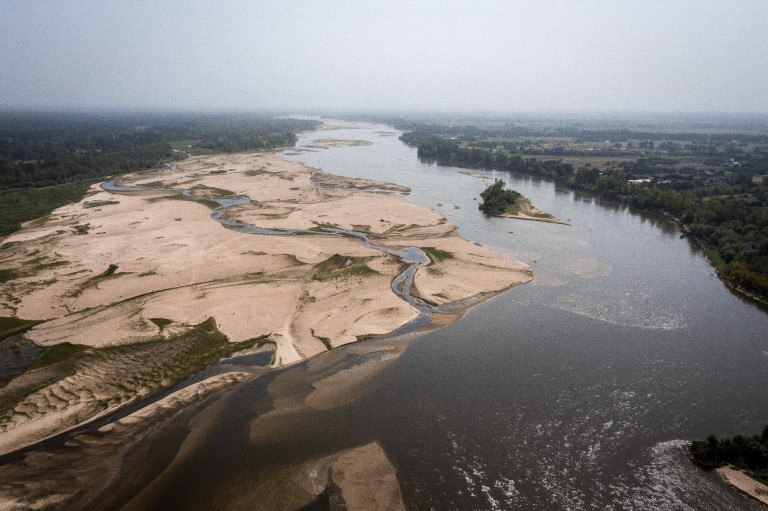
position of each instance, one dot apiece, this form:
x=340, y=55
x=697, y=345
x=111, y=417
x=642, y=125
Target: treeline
x=747, y=452
x=728, y=215
x=661, y=149
x=472, y=133
x=48, y=160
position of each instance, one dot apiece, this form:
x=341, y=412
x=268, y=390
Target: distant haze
x=503, y=56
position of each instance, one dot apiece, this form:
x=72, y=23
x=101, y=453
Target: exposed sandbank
x=526, y=210
x=113, y=268
x=744, y=484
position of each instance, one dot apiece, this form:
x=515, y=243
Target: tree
x=496, y=199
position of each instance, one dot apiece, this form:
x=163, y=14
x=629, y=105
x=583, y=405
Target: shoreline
x=520, y=216
x=744, y=485
x=747, y=487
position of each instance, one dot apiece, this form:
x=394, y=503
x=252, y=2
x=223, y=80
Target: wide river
x=575, y=391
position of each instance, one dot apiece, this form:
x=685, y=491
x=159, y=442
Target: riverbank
x=744, y=484
x=124, y=269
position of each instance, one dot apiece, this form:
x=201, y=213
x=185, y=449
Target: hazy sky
x=516, y=55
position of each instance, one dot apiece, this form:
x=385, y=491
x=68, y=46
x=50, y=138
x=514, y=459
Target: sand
x=744, y=484
x=528, y=211
x=97, y=273
x=366, y=479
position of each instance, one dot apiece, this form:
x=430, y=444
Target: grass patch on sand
x=57, y=353
x=210, y=191
x=10, y=244
x=436, y=254
x=93, y=281
x=325, y=340
x=339, y=267
x=15, y=326
x=153, y=184
x=525, y=207
x=39, y=264
x=8, y=274
x=99, y=203
x=321, y=226
x=161, y=322
x=178, y=196
x=82, y=228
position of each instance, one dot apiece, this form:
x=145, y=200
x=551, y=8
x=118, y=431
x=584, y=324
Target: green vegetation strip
x=436, y=254
x=178, y=196
x=325, y=340
x=161, y=322
x=57, y=353
x=14, y=326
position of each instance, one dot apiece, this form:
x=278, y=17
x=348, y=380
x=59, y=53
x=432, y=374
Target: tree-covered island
x=499, y=201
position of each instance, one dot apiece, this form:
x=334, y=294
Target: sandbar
x=124, y=268
x=526, y=210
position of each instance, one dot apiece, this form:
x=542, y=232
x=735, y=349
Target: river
x=575, y=391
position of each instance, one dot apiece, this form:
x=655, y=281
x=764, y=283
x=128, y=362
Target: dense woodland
x=50, y=159
x=715, y=185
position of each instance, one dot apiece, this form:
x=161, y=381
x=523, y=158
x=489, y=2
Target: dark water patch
x=16, y=355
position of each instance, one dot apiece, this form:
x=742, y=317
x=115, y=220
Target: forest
x=715, y=186
x=51, y=159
